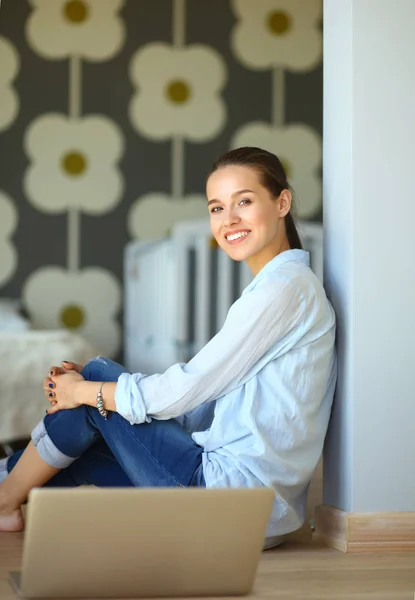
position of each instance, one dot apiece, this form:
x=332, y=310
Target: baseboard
x=365, y=532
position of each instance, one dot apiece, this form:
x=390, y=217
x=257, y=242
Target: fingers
x=51, y=398
x=53, y=409
x=49, y=390
x=53, y=371
x=66, y=366
x=48, y=385
x=71, y=366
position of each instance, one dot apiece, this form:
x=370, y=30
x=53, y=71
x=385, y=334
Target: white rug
x=25, y=358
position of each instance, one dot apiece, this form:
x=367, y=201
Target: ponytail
x=292, y=233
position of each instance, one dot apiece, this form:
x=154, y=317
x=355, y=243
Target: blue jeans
x=112, y=452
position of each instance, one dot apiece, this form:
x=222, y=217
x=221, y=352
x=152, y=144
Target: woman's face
x=246, y=221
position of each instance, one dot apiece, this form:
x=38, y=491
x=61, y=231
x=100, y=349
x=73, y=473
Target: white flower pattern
x=90, y=29
x=9, y=67
x=278, y=33
x=74, y=164
x=299, y=149
x=153, y=215
x=86, y=302
x=8, y=223
x=178, y=92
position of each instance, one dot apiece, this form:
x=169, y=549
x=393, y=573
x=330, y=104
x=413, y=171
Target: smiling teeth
x=236, y=236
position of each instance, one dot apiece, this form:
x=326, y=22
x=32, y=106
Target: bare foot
x=11, y=518
x=11, y=521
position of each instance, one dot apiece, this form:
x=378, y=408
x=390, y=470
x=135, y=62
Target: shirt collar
x=284, y=257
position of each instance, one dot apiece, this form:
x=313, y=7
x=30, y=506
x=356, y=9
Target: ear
x=285, y=200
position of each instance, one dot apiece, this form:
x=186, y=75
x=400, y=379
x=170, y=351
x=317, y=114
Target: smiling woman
x=250, y=409
x=250, y=206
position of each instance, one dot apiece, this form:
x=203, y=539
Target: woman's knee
x=102, y=369
x=92, y=367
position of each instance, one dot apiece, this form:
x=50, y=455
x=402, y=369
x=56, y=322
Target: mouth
x=237, y=237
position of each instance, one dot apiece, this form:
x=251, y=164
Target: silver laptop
x=132, y=543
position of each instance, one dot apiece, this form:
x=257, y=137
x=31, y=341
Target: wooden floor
x=296, y=570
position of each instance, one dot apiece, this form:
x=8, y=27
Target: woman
x=250, y=409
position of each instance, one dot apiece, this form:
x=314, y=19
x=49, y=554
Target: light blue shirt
x=258, y=396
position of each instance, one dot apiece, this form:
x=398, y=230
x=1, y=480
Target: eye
x=245, y=201
x=215, y=209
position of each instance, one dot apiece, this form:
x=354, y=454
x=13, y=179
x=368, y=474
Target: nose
x=231, y=217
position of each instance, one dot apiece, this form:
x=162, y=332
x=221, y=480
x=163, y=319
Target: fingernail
x=51, y=385
x=50, y=372
x=66, y=361
x=50, y=395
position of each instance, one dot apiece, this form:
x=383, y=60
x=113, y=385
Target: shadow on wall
x=315, y=497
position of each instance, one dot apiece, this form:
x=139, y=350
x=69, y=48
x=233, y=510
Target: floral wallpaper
x=111, y=113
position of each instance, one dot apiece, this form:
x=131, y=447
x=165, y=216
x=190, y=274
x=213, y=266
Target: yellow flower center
x=76, y=11
x=72, y=316
x=178, y=91
x=279, y=22
x=74, y=164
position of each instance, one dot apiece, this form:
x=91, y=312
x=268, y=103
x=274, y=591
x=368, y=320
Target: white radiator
x=179, y=290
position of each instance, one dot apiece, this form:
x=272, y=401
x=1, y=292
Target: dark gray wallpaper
x=270, y=53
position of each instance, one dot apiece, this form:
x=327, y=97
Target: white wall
x=369, y=217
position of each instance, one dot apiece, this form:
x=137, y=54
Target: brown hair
x=272, y=175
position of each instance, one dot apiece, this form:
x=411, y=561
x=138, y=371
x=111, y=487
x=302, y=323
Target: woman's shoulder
x=292, y=274
x=294, y=280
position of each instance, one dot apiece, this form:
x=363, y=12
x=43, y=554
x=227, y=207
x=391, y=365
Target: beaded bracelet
x=100, y=403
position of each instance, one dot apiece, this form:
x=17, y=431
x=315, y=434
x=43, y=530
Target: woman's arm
x=86, y=393
x=259, y=322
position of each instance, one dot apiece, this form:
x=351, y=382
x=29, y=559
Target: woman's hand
x=61, y=389
x=66, y=366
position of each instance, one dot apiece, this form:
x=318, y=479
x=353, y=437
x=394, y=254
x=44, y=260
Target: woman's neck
x=257, y=263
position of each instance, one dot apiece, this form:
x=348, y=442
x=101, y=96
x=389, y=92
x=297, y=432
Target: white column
x=369, y=219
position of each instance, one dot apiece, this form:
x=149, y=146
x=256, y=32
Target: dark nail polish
x=50, y=372
x=66, y=361
x=50, y=394
x=51, y=385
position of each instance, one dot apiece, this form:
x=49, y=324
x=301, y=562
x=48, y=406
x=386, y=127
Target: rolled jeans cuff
x=3, y=469
x=47, y=449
